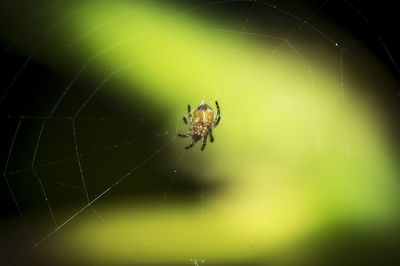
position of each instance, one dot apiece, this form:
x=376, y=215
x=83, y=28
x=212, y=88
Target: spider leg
x=184, y=135
x=211, y=136
x=217, y=122
x=218, y=117
x=191, y=145
x=204, y=142
x=189, y=113
x=185, y=121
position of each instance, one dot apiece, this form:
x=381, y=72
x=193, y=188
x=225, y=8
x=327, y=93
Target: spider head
x=202, y=107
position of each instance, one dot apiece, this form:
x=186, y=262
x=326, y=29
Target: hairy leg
x=218, y=117
x=204, y=142
x=189, y=112
x=191, y=145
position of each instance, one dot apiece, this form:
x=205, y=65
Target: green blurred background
x=303, y=170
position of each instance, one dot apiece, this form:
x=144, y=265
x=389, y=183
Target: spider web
x=71, y=147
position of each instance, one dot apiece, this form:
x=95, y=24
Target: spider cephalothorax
x=201, y=124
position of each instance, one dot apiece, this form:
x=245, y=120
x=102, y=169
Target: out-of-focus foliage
x=295, y=159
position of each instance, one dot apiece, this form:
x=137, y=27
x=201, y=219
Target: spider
x=201, y=124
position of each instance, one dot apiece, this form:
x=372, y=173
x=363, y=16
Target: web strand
x=38, y=47
x=73, y=243
x=119, y=180
x=78, y=158
x=9, y=186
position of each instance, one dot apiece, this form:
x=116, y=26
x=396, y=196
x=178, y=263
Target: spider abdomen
x=198, y=130
x=202, y=122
